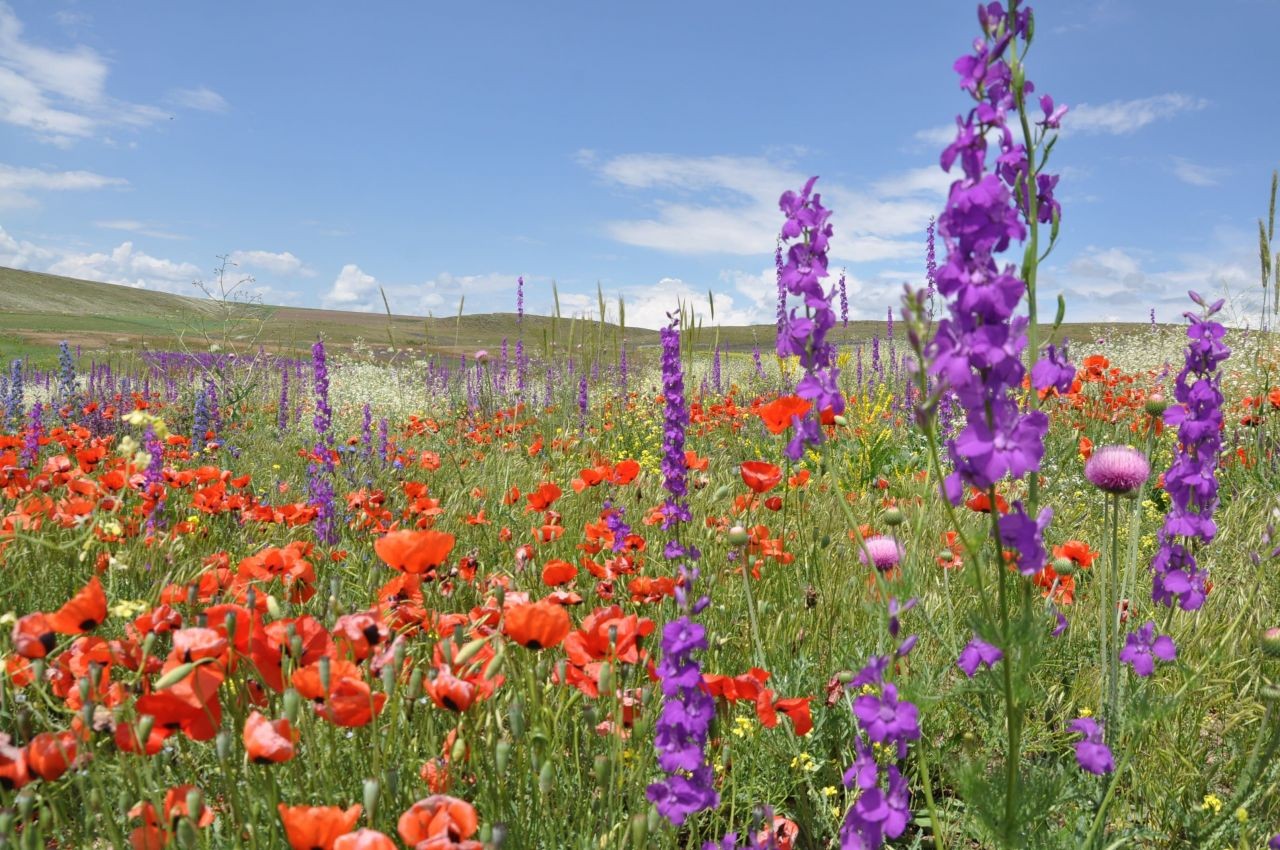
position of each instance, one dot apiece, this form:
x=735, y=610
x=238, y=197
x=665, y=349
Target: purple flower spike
x=977, y=653
x=1091, y=753
x=1143, y=647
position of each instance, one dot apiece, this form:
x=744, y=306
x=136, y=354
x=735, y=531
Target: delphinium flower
x=1144, y=647
x=977, y=653
x=683, y=726
x=383, y=438
x=320, y=473
x=805, y=336
x=200, y=421
x=782, y=289
x=66, y=374
x=976, y=350
x=366, y=431
x=881, y=810
x=930, y=263
x=622, y=368
x=282, y=415
x=715, y=369
x=584, y=404
x=1117, y=469
x=215, y=410
x=1191, y=481
x=844, y=300
x=1091, y=753
x=31, y=440
x=13, y=402
x=756, y=359
x=153, y=479
x=617, y=525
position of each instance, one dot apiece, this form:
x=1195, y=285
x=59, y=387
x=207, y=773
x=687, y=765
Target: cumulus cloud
x=735, y=211
x=283, y=263
x=352, y=290
x=128, y=266
x=142, y=228
x=17, y=184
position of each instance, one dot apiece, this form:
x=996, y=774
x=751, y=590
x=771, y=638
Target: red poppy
x=448, y=691
x=777, y=415
x=84, y=612
x=438, y=817
x=782, y=834
x=316, y=827
x=536, y=626
x=268, y=741
x=33, y=636
x=557, y=572
x=14, y=772
x=414, y=552
x=352, y=703
x=760, y=476
x=50, y=754
x=364, y=839
x=545, y=497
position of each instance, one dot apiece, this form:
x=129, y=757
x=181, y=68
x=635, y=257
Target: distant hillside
x=38, y=310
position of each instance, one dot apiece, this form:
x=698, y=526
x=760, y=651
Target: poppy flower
x=536, y=626
x=777, y=415
x=364, y=839
x=268, y=741
x=557, y=572
x=760, y=476
x=33, y=636
x=448, y=691
x=414, y=552
x=438, y=817
x=352, y=703
x=50, y=754
x=14, y=772
x=545, y=496
x=317, y=827
x=84, y=612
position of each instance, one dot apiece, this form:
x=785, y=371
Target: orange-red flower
x=33, y=636
x=760, y=476
x=50, y=754
x=317, y=827
x=537, y=625
x=84, y=612
x=414, y=552
x=267, y=741
x=448, y=691
x=438, y=817
x=777, y=415
x=364, y=839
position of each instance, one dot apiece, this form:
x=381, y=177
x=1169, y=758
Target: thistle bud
x=1064, y=566
x=1271, y=642
x=1156, y=405
x=893, y=517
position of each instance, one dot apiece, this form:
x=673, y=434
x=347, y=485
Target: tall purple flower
x=805, y=336
x=282, y=415
x=1191, y=481
x=844, y=300
x=683, y=727
x=977, y=349
x=31, y=441
x=584, y=404
x=520, y=300
x=320, y=473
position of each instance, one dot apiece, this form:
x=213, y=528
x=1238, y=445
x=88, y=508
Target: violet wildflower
x=877, y=815
x=844, y=300
x=282, y=415
x=383, y=438
x=366, y=431
x=319, y=475
x=1117, y=469
x=978, y=653
x=1191, y=481
x=805, y=336
x=683, y=727
x=885, y=718
x=1143, y=647
x=31, y=440
x=1053, y=370
x=584, y=404
x=320, y=372
x=66, y=374
x=13, y=401
x=1091, y=753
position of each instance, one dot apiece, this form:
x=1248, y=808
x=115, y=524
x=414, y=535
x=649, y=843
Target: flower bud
x=893, y=517
x=545, y=777
x=602, y=767
x=639, y=831
x=738, y=536
x=502, y=755
x=371, y=789
x=292, y=705
x=1064, y=566
x=1156, y=405
x=1271, y=642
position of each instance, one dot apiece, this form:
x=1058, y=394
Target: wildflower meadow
x=958, y=584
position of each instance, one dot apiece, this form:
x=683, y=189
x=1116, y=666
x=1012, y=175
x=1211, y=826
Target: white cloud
x=59, y=95
x=142, y=228
x=352, y=290
x=1196, y=175
x=736, y=210
x=20, y=254
x=203, y=98
x=283, y=263
x=1121, y=117
x=16, y=183
x=127, y=266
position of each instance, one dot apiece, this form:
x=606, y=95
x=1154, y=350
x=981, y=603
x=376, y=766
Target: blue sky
x=443, y=149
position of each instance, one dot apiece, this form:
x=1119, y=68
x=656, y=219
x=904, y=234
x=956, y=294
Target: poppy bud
x=893, y=517
x=602, y=767
x=515, y=715
x=500, y=596
x=292, y=703
x=1271, y=642
x=545, y=777
x=148, y=643
x=824, y=541
x=639, y=831
x=459, y=751
x=415, y=685
x=251, y=599
x=83, y=687
x=497, y=835
x=273, y=607
x=946, y=555
x=604, y=681
x=25, y=803
x=230, y=624
x=186, y=831
x=651, y=820
x=195, y=803
x=844, y=677
x=502, y=755
x=326, y=673
x=221, y=744
x=174, y=676
x=389, y=679
x=371, y=788
x=541, y=670
x=721, y=492
x=1064, y=566
x=295, y=646
x=392, y=781
x=738, y=536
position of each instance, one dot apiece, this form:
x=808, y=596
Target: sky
x=440, y=150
